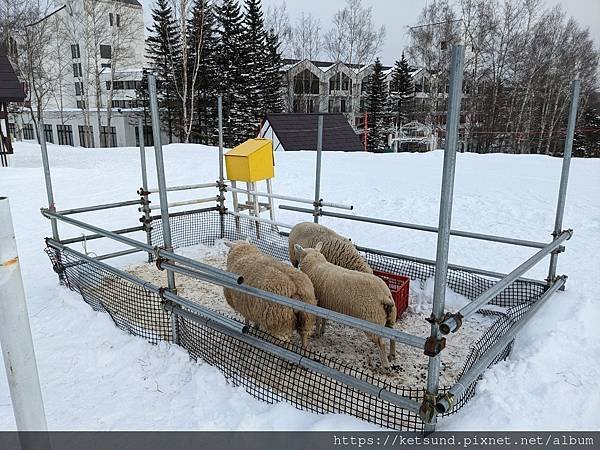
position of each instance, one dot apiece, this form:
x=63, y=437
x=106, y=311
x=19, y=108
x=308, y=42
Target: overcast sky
x=397, y=15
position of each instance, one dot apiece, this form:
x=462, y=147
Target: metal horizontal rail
x=430, y=229
x=185, y=187
x=195, y=307
x=101, y=257
x=363, y=325
x=303, y=361
x=91, y=237
x=289, y=198
x=452, y=324
x=445, y=402
x=260, y=219
x=188, y=202
x=417, y=259
x=99, y=207
x=158, y=252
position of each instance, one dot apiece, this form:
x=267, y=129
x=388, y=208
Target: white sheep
x=361, y=295
x=263, y=272
x=337, y=249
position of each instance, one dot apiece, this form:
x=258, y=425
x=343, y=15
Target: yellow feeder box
x=251, y=161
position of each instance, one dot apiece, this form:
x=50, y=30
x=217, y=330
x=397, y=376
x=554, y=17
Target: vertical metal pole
x=318, y=171
x=271, y=203
x=145, y=207
x=47, y=178
x=564, y=177
x=221, y=171
x=162, y=189
x=15, y=334
x=443, y=240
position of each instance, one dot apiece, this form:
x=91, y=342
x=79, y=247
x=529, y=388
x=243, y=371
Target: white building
x=92, y=57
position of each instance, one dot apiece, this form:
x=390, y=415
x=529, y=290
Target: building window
x=110, y=19
x=108, y=138
x=148, y=136
x=28, y=131
x=86, y=136
x=105, y=51
x=343, y=105
x=339, y=81
x=127, y=84
x=118, y=20
x=125, y=104
x=48, y=134
x=75, y=51
x=65, y=134
x=78, y=88
x=77, y=72
x=12, y=130
x=306, y=82
x=81, y=104
x=105, y=65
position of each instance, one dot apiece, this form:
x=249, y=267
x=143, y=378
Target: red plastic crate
x=399, y=287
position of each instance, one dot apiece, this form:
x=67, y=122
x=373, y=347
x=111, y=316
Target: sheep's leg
x=322, y=329
x=384, y=359
x=392, y=350
x=304, y=338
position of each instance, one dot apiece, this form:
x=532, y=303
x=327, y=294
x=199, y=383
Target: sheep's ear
x=319, y=246
x=299, y=250
x=229, y=243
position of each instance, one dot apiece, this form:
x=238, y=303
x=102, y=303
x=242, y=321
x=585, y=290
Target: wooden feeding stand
x=250, y=162
x=10, y=91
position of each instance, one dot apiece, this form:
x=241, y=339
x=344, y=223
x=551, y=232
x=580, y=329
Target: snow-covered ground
x=95, y=376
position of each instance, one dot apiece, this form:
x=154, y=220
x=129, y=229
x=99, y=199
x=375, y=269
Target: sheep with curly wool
x=361, y=295
x=337, y=249
x=263, y=272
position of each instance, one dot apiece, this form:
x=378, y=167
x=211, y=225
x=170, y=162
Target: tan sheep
x=263, y=272
x=361, y=295
x=337, y=249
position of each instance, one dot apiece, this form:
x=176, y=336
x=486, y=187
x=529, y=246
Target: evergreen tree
x=228, y=64
x=274, y=63
x=163, y=50
x=586, y=142
x=401, y=90
x=253, y=67
x=378, y=114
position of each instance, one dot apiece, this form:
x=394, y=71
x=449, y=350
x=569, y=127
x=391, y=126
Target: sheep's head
x=240, y=246
x=309, y=255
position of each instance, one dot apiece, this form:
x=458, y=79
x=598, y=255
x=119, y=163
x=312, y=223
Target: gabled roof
x=10, y=87
x=298, y=131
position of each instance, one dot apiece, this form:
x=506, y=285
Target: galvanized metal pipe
x=318, y=168
x=221, y=153
x=290, y=198
x=445, y=403
x=262, y=220
x=302, y=361
x=185, y=187
x=487, y=273
x=564, y=176
x=15, y=333
x=160, y=173
x=445, y=217
x=188, y=202
x=430, y=229
x=471, y=308
x=344, y=319
x=105, y=256
x=144, y=194
x=91, y=237
x=84, y=209
x=47, y=176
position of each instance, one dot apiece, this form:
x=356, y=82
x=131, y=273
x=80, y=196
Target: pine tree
x=274, y=63
x=378, y=114
x=163, y=49
x=254, y=67
x=401, y=90
x=230, y=86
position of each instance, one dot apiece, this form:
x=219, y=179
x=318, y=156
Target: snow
x=95, y=376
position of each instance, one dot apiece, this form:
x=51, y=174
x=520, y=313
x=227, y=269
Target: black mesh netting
x=263, y=375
